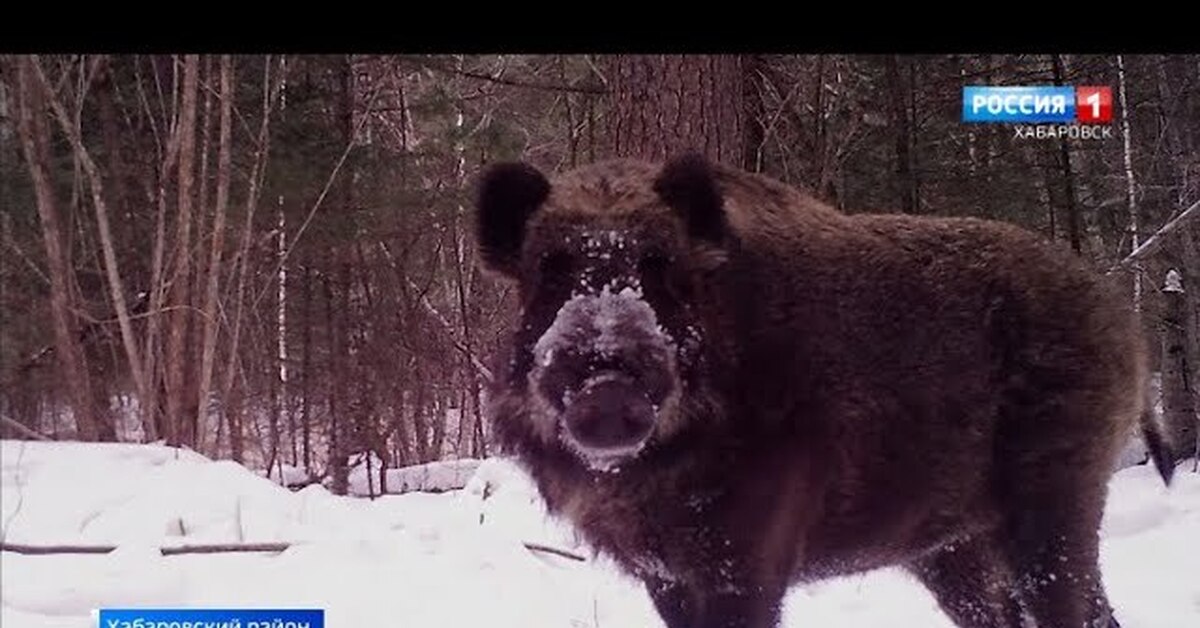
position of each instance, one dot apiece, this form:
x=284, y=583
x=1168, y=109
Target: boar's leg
x=688, y=606
x=1056, y=557
x=1053, y=491
x=971, y=583
x=673, y=602
x=732, y=559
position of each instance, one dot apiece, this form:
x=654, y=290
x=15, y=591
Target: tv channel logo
x=1037, y=104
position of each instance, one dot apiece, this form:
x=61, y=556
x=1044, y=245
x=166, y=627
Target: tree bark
x=663, y=105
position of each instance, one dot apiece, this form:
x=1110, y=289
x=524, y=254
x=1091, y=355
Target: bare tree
x=215, y=251
x=35, y=142
x=179, y=420
x=901, y=122
x=232, y=408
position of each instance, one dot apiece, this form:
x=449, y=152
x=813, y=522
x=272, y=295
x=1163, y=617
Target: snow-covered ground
x=456, y=559
x=433, y=477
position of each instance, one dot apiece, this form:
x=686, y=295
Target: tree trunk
x=234, y=402
x=1189, y=246
x=1046, y=190
x=35, y=142
x=754, y=114
x=337, y=452
x=69, y=124
x=901, y=94
x=1130, y=183
x=283, y=413
x=256, y=173
x=1068, y=176
x=181, y=412
x=208, y=343
x=1179, y=411
x=663, y=105
x=337, y=312
x=155, y=421
x=305, y=367
x=419, y=420
x=117, y=169
x=199, y=285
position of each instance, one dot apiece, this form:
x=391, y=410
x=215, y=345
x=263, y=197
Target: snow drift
x=453, y=559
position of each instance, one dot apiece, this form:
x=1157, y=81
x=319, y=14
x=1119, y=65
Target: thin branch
x=23, y=430
x=218, y=548
x=221, y=548
x=38, y=550
x=113, y=273
x=312, y=212
x=548, y=87
x=20, y=484
x=33, y=267
x=483, y=370
x=1154, y=242
x=538, y=547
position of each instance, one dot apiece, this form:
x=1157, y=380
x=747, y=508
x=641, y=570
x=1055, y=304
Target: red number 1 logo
x=1093, y=104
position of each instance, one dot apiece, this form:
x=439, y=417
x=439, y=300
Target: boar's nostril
x=610, y=412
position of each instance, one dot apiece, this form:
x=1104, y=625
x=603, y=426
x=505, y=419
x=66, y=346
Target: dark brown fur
x=944, y=394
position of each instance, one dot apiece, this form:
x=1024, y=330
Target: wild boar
x=731, y=387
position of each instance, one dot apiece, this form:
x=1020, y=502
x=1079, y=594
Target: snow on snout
x=601, y=324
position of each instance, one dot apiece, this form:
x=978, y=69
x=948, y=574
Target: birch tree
x=1130, y=185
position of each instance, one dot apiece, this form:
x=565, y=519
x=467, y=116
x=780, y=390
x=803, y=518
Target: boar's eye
x=555, y=268
x=654, y=269
x=653, y=265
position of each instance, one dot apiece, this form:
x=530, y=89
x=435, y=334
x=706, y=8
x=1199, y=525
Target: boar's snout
x=609, y=417
x=604, y=372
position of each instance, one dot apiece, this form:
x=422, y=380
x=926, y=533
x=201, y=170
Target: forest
x=271, y=258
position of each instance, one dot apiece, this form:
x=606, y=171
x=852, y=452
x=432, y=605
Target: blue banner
x=1033, y=105
x=211, y=618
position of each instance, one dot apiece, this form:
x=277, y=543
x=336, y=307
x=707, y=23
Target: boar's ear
x=509, y=194
x=688, y=185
